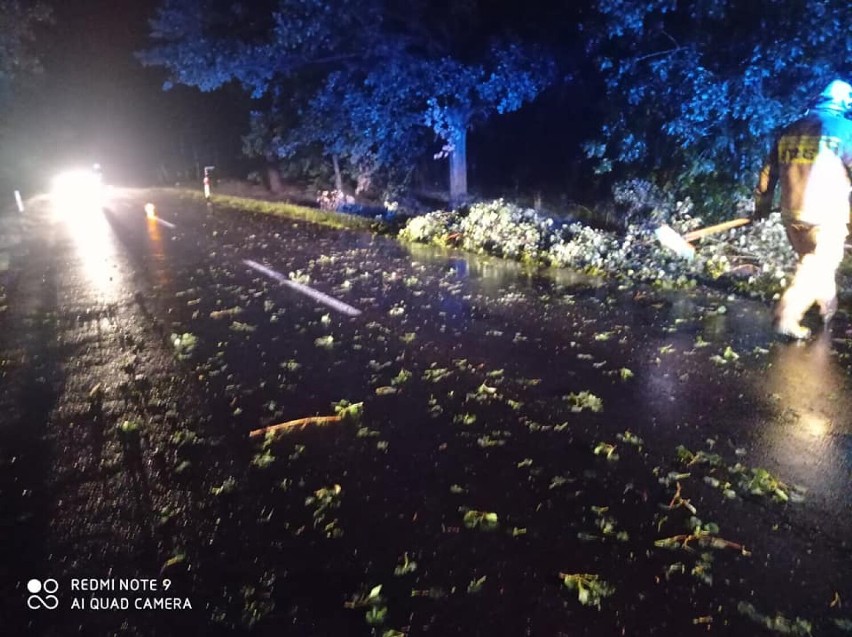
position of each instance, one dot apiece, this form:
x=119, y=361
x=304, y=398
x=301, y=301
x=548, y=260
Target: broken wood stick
x=719, y=227
x=293, y=424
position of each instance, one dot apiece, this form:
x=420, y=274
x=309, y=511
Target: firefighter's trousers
x=820, y=251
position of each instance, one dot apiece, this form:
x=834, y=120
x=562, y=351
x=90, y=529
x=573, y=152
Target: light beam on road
x=96, y=249
x=325, y=299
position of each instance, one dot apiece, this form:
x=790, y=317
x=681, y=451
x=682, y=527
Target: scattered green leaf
x=591, y=589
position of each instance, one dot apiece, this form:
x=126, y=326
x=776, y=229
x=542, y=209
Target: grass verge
x=329, y=218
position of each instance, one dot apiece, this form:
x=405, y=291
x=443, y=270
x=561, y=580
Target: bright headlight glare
x=76, y=191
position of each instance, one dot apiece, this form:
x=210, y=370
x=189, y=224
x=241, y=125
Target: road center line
x=168, y=224
x=304, y=289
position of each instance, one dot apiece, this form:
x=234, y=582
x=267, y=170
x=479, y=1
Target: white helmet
x=836, y=96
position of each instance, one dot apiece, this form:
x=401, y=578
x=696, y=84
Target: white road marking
x=163, y=222
x=325, y=299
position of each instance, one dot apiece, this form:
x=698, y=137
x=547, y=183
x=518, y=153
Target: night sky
x=96, y=103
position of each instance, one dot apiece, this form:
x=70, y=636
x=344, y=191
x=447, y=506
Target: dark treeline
x=491, y=97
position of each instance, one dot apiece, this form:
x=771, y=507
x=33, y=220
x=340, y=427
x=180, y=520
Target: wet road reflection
x=162, y=271
x=97, y=248
x=705, y=365
x=469, y=372
x=811, y=392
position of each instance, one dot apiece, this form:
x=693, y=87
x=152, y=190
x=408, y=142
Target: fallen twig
x=745, y=269
x=703, y=538
x=293, y=424
x=679, y=501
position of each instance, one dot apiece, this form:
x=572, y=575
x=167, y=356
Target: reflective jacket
x=812, y=158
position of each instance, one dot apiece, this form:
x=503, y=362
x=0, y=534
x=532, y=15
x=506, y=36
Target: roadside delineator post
x=207, y=171
x=19, y=201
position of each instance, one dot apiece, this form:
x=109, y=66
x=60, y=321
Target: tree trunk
x=458, y=164
x=273, y=175
x=338, y=179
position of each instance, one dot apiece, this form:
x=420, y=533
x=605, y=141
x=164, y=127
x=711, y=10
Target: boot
x=796, y=331
x=792, y=306
x=827, y=310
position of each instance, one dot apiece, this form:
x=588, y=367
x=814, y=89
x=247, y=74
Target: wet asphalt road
x=137, y=354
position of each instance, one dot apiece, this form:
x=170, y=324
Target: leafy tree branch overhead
x=696, y=90
x=18, y=55
x=20, y=64
x=683, y=94
x=378, y=80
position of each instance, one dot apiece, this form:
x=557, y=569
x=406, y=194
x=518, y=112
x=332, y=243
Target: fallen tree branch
x=679, y=501
x=293, y=424
x=703, y=538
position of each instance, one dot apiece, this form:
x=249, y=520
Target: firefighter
x=812, y=158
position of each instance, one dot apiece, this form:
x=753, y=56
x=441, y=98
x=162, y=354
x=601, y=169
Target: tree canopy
x=696, y=89
x=368, y=80
x=19, y=61
x=17, y=34
x=685, y=94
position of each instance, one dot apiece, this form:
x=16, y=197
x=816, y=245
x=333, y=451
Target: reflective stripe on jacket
x=812, y=159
